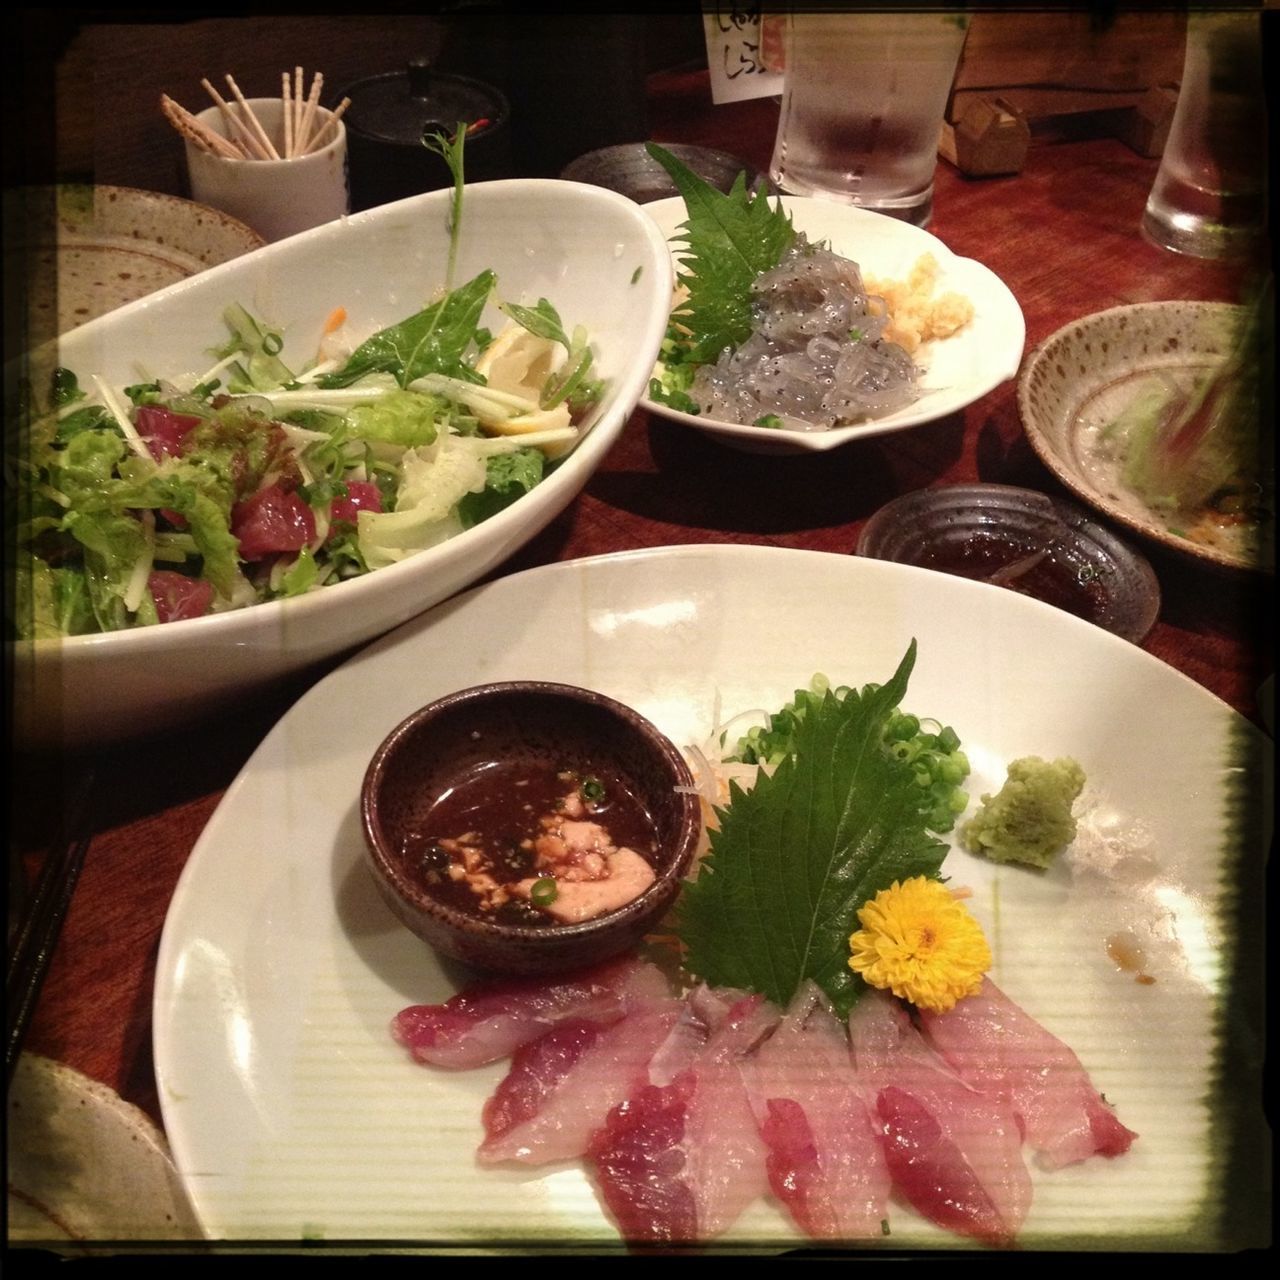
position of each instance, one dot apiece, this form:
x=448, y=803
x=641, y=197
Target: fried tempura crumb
x=915, y=316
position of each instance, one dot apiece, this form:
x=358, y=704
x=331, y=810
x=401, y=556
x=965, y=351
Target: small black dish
x=1044, y=547
x=631, y=170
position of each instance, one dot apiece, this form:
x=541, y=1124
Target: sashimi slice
x=639, y=1157
x=997, y=1048
x=678, y=1162
x=560, y=1087
x=825, y=1160
x=955, y=1154
x=491, y=1022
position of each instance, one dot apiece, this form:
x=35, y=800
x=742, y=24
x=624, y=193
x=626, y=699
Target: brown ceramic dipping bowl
x=545, y=724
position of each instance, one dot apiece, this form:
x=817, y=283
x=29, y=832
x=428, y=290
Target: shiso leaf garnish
x=730, y=239
x=795, y=857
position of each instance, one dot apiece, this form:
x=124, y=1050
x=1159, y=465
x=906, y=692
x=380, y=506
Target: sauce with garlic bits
x=522, y=842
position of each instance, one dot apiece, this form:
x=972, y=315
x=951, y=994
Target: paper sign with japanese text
x=744, y=51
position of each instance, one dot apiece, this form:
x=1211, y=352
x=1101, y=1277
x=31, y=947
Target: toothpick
x=286, y=110
x=330, y=123
x=236, y=128
x=193, y=130
x=254, y=122
x=297, y=106
x=308, y=120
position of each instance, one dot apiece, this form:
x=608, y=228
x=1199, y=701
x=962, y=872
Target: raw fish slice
x=639, y=1159
x=678, y=1162
x=705, y=1011
x=826, y=1162
x=1000, y=1050
x=727, y=1162
x=955, y=1154
x=491, y=1022
x=561, y=1087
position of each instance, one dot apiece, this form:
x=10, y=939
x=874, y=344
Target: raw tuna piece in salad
x=272, y=521
x=998, y=1049
x=560, y=1087
x=680, y=1159
x=163, y=430
x=955, y=1154
x=178, y=596
x=826, y=1162
x=493, y=1021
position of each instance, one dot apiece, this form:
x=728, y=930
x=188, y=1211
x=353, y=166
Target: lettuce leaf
x=796, y=856
x=730, y=240
x=406, y=418
x=508, y=476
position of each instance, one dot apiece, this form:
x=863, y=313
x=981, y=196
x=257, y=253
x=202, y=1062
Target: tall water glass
x=1209, y=197
x=863, y=102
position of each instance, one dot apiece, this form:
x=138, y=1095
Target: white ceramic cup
x=277, y=198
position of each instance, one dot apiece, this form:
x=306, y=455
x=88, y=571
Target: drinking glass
x=862, y=107
x=1209, y=197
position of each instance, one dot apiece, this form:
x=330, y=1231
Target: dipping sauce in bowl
x=529, y=827
x=527, y=842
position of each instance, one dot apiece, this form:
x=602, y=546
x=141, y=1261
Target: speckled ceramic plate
x=84, y=1165
x=1079, y=380
x=116, y=244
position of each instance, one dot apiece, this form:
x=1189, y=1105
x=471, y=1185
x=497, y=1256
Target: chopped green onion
x=543, y=892
x=768, y=420
x=592, y=790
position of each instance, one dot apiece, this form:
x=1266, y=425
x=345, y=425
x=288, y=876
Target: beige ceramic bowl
x=1081, y=377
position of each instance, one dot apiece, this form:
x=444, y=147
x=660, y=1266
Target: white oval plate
x=292, y=1113
x=959, y=370
x=592, y=252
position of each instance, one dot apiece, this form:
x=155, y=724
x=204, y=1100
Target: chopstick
x=42, y=921
x=245, y=137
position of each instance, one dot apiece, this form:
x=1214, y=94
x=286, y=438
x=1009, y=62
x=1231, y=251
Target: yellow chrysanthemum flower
x=917, y=941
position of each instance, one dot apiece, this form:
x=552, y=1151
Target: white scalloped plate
x=958, y=370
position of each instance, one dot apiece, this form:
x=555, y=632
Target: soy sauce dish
x=529, y=827
x=1024, y=540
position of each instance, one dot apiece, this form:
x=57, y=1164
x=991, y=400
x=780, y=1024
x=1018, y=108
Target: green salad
x=162, y=501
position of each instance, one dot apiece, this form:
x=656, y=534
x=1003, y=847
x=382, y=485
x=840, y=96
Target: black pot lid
x=400, y=106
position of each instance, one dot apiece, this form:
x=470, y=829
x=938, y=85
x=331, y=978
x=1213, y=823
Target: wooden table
x=1064, y=236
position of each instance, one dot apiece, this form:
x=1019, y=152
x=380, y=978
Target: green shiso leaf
x=730, y=239
x=795, y=857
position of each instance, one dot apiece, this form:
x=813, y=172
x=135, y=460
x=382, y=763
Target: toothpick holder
x=277, y=198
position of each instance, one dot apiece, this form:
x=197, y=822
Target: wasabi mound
x=1029, y=820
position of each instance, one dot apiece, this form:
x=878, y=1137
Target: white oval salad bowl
x=957, y=370
x=595, y=255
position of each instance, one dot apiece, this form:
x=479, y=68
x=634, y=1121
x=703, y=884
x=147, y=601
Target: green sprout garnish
x=450, y=150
